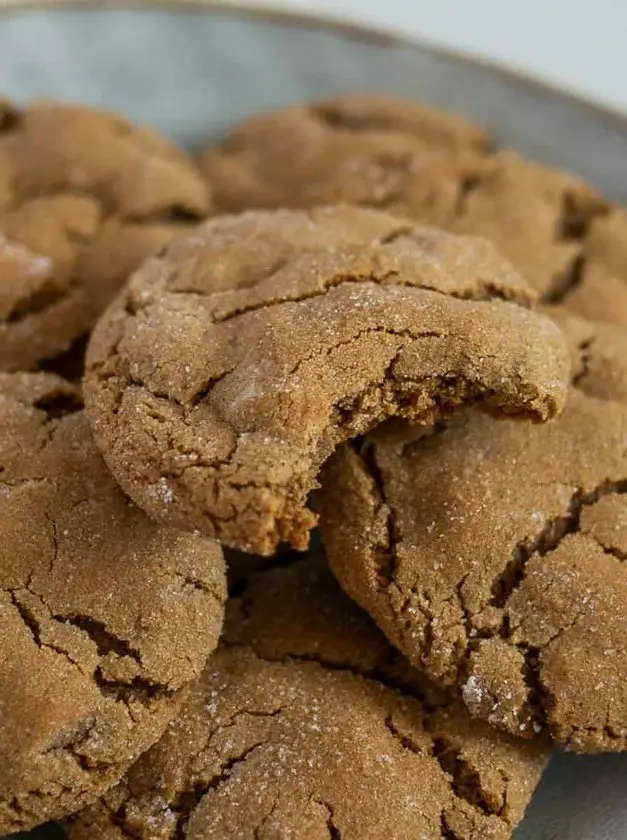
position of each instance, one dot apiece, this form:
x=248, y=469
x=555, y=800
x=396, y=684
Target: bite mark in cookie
x=490, y=553
x=234, y=364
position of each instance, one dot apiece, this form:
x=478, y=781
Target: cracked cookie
x=232, y=365
x=84, y=197
x=105, y=617
x=536, y=216
x=307, y=724
x=492, y=554
x=365, y=150
x=602, y=292
x=557, y=231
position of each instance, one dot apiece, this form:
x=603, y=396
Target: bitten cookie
x=105, y=617
x=367, y=150
x=84, y=197
x=298, y=729
x=232, y=366
x=492, y=554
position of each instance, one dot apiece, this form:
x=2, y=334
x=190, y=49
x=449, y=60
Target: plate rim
x=360, y=31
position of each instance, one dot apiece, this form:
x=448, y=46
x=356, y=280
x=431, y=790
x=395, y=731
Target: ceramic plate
x=193, y=71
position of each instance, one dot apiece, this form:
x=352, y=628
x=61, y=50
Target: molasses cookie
x=233, y=364
x=436, y=169
x=305, y=725
x=492, y=554
x=84, y=197
x=601, y=291
x=365, y=150
x=105, y=617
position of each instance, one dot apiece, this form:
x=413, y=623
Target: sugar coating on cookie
x=84, y=196
x=105, y=617
x=232, y=365
x=436, y=169
x=307, y=724
x=364, y=150
x=492, y=554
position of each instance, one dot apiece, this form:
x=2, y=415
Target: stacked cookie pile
x=354, y=315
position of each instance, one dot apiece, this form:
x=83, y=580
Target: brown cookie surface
x=233, y=365
x=306, y=724
x=536, y=216
x=365, y=150
x=84, y=197
x=557, y=231
x=492, y=553
x=105, y=617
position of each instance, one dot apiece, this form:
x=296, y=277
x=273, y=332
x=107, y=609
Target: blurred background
x=577, y=44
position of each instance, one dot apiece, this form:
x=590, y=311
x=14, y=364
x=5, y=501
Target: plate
x=193, y=69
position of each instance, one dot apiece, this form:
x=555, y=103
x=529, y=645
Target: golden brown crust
x=491, y=553
x=365, y=150
x=232, y=366
x=298, y=728
x=84, y=197
x=378, y=152
x=104, y=616
x=536, y=216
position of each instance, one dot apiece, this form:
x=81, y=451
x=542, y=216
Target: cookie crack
x=258, y=828
x=575, y=220
x=187, y=801
x=446, y=832
x=332, y=828
x=33, y=626
x=610, y=550
x=465, y=187
x=196, y=583
x=549, y=538
x=573, y=225
x=15, y=483
x=401, y=334
x=565, y=283
x=385, y=553
x=537, y=708
x=465, y=780
x=59, y=403
x=137, y=690
x=585, y=358
x=486, y=293
x=105, y=641
x=403, y=739
x=49, y=294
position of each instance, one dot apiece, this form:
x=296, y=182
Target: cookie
x=492, y=554
x=557, y=231
x=536, y=216
x=601, y=291
x=105, y=617
x=232, y=366
x=84, y=197
x=364, y=150
x=302, y=726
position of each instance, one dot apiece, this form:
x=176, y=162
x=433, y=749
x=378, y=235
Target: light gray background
x=576, y=43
